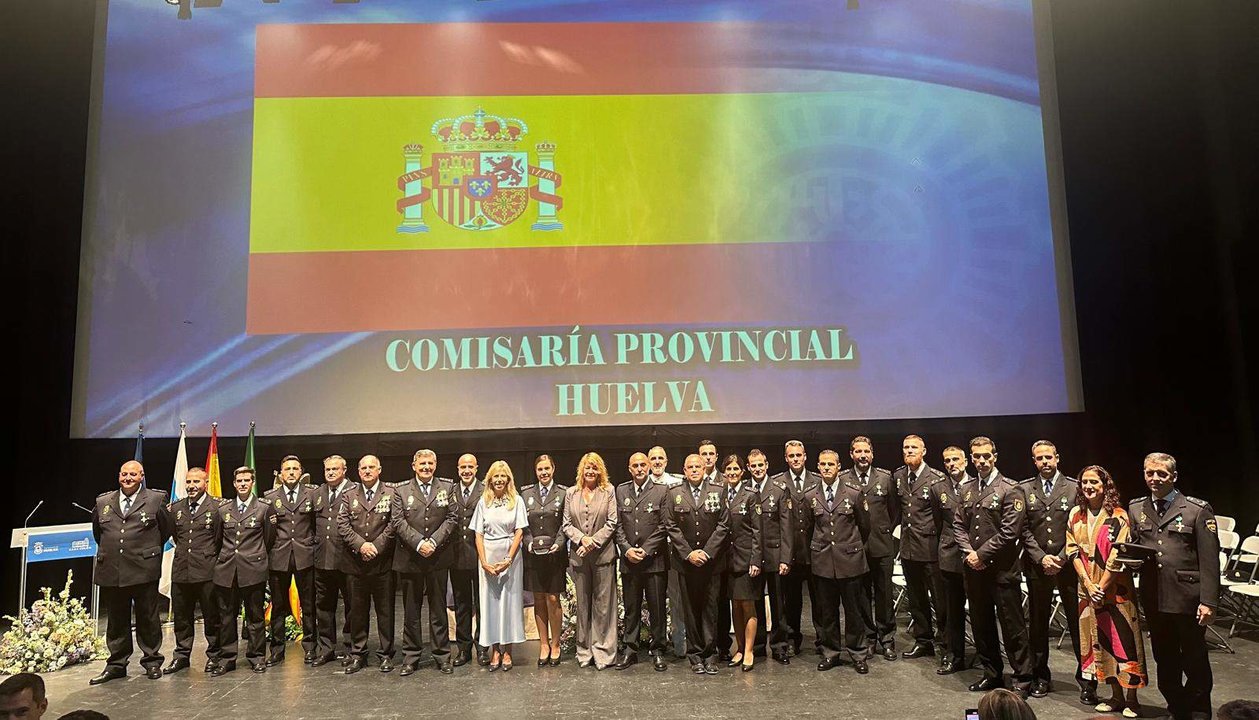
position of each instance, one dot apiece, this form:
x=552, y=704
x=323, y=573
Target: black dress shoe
x=554, y=661
x=862, y=667
x=222, y=669
x=260, y=668
x=889, y=653
x=1040, y=688
x=275, y=660
x=106, y=675
x=175, y=666
x=659, y=664
x=827, y=664
x=408, y=669
x=309, y=658
x=697, y=668
x=626, y=661
x=345, y=660
x=917, y=651
x=210, y=665
x=724, y=656
x=1024, y=691
x=323, y=660
x=1088, y=696
x=782, y=658
x=986, y=684
x=445, y=668
x=482, y=658
x=710, y=667
x=153, y=673
x=355, y=665
x=386, y=665
x=948, y=667
x=461, y=659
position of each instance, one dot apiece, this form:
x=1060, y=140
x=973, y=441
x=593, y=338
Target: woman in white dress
x=499, y=522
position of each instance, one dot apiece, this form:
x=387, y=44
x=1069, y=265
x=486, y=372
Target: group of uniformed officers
x=962, y=541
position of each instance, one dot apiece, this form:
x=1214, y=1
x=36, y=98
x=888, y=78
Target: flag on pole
x=214, y=485
x=139, y=457
x=249, y=457
x=176, y=493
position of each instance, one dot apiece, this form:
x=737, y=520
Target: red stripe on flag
x=488, y=59
x=663, y=284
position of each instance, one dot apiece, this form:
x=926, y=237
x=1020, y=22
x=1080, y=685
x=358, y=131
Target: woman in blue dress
x=499, y=523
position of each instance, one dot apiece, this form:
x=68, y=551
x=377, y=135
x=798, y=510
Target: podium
x=52, y=543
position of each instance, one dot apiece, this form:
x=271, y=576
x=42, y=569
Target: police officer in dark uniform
x=131, y=525
x=945, y=499
x=363, y=520
x=798, y=481
x=465, y=573
x=243, y=533
x=293, y=556
x=878, y=490
x=1180, y=585
x=777, y=533
x=697, y=523
x=642, y=544
x=1050, y=495
x=192, y=572
x=840, y=527
x=920, y=548
x=988, y=525
x=330, y=561
x=425, y=522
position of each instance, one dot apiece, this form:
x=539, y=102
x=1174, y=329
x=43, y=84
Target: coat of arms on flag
x=480, y=179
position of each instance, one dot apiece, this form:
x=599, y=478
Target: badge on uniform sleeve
x=1211, y=524
x=1018, y=506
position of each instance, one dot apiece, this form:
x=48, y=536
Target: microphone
x=38, y=505
x=86, y=510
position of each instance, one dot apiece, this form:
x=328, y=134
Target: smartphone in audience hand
x=972, y=713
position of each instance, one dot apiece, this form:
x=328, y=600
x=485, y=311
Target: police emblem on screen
x=481, y=179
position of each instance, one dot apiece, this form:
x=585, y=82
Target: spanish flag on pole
x=214, y=484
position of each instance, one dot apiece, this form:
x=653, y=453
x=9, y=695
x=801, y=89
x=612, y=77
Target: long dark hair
x=1110, y=494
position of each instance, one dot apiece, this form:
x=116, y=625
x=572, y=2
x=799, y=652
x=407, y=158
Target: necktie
x=799, y=484
x=865, y=480
x=638, y=490
x=370, y=493
x=1161, y=506
x=468, y=491
x=830, y=497
x=240, y=507
x=424, y=489
x=126, y=504
x=1049, y=487
x=192, y=508
x=730, y=496
x=695, y=494
x=292, y=495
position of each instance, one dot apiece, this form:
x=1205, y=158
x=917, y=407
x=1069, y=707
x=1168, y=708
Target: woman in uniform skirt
x=744, y=584
x=499, y=522
x=546, y=557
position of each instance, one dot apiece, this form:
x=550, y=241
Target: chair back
x=1225, y=522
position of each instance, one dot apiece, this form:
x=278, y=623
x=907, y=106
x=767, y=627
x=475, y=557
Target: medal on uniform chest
x=967, y=498
x=814, y=503
x=1143, y=518
x=354, y=504
x=713, y=502
x=743, y=509
x=1180, y=523
x=319, y=501
x=995, y=502
x=278, y=504
x=944, y=497
x=105, y=511
x=758, y=509
x=771, y=503
x=677, y=499
x=1031, y=499
x=1063, y=505
x=648, y=507
x=529, y=502
x=878, y=489
x=228, y=518
x=383, y=505
x=628, y=502
x=442, y=501
x=144, y=517
x=207, y=519
x=847, y=504
x=179, y=515
x=308, y=506
x=926, y=492
x=253, y=522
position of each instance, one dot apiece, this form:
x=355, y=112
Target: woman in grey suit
x=589, y=523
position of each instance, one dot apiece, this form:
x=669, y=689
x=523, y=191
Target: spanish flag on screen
x=521, y=174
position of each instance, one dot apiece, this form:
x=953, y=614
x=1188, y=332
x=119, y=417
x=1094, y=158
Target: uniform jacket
x=416, y=517
x=944, y=503
x=129, y=550
x=464, y=547
x=744, y=546
x=243, y=542
x=545, y=534
x=1046, y=521
x=641, y=524
x=330, y=550
x=697, y=526
x=777, y=524
x=990, y=522
x=598, y=520
x=881, y=498
x=195, y=545
x=294, y=527
x=1186, y=570
x=920, y=524
x=839, y=532
x=359, y=524
x=800, y=521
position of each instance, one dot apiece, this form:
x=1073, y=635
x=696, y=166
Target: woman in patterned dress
x=1111, y=646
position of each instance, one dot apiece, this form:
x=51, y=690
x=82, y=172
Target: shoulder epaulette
x=528, y=487
x=1137, y=501
x=781, y=485
x=1196, y=501
x=902, y=467
x=107, y=492
x=852, y=486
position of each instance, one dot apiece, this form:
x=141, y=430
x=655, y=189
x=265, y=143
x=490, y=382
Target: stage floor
x=292, y=691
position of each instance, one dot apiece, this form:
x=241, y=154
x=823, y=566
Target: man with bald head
x=644, y=551
x=192, y=572
x=363, y=521
x=130, y=524
x=465, y=567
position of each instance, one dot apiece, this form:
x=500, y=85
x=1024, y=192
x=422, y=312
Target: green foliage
x=54, y=633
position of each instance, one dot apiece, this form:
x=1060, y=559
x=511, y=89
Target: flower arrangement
x=54, y=633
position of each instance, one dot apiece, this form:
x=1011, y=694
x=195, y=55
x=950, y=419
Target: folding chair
x=1229, y=541
x=1246, y=596
x=1224, y=522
